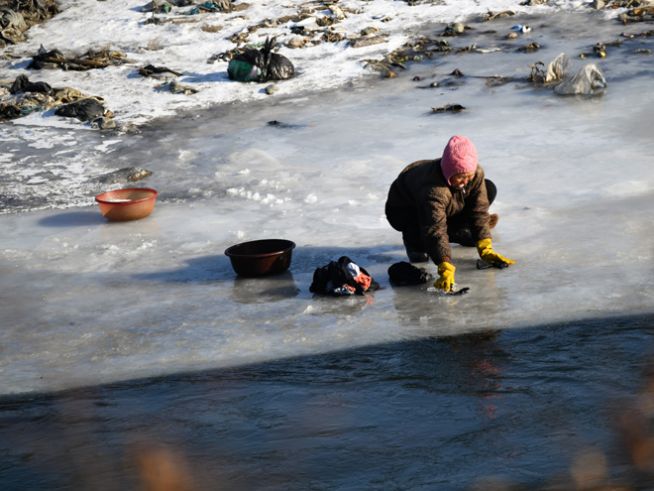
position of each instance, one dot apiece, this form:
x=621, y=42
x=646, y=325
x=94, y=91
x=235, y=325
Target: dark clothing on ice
x=431, y=214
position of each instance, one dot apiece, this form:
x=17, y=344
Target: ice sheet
x=84, y=302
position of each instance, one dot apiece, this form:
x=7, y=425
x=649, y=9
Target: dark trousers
x=405, y=220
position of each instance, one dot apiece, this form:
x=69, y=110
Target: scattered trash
x=13, y=27
x=342, y=278
x=600, y=50
x=638, y=14
x=271, y=89
x=532, y=3
x=157, y=7
x=177, y=88
x=432, y=85
x=497, y=80
x=92, y=59
x=632, y=35
x=280, y=124
x=126, y=174
x=364, y=41
x=211, y=6
x=104, y=123
x=297, y=42
x=369, y=31
x=449, y=108
x=415, y=50
x=404, y=274
x=332, y=36
x=151, y=70
x=17, y=16
x=22, y=104
x=335, y=15
x=22, y=84
x=497, y=15
x=529, y=48
x=453, y=81
x=473, y=48
x=211, y=28
x=589, y=80
x=23, y=97
x=260, y=65
x=454, y=29
x=554, y=73
x=556, y=68
x=521, y=28
x=484, y=51
x=337, y=12
x=87, y=109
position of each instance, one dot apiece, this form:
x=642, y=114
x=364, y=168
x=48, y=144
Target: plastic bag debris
x=589, y=80
x=556, y=68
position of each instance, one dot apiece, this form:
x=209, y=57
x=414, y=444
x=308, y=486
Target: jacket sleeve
x=434, y=230
x=478, y=203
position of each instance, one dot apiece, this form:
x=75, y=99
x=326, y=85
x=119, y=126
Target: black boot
x=462, y=236
x=414, y=255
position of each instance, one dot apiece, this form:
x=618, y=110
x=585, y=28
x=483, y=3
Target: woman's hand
x=445, y=281
x=486, y=252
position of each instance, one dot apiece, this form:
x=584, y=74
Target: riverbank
x=329, y=47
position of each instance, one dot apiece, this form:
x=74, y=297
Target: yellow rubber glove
x=445, y=281
x=486, y=252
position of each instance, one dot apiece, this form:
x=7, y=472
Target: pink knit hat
x=459, y=156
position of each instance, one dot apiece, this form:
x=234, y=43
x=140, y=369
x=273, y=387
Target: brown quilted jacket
x=421, y=185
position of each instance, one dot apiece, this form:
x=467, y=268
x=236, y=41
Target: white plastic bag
x=589, y=80
x=556, y=68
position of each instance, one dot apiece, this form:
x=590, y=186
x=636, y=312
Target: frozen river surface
x=86, y=303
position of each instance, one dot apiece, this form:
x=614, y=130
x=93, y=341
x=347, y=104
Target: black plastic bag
x=84, y=109
x=260, y=65
x=22, y=84
x=403, y=273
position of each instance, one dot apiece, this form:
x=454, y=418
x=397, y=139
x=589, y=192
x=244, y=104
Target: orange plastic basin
x=127, y=204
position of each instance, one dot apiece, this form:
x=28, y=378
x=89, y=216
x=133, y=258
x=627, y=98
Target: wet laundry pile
x=342, y=278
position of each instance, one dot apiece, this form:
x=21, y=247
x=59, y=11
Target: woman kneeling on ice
x=435, y=202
